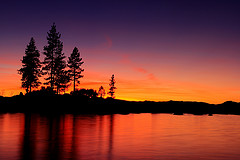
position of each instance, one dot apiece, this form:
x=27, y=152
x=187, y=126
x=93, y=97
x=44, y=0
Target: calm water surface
x=133, y=136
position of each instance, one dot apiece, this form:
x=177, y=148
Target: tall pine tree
x=31, y=67
x=74, y=63
x=54, y=61
x=112, y=87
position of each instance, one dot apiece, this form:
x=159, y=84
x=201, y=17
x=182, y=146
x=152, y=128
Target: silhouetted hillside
x=84, y=104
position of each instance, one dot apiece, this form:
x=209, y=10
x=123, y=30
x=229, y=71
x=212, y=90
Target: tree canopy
x=74, y=64
x=54, y=61
x=31, y=67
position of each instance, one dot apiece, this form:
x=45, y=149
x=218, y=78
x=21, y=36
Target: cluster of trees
x=101, y=91
x=57, y=72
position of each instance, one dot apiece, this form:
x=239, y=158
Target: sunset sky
x=158, y=50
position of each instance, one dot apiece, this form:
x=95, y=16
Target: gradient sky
x=158, y=50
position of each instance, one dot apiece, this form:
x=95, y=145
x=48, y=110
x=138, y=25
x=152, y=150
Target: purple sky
x=181, y=42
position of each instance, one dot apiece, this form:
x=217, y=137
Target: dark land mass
x=95, y=105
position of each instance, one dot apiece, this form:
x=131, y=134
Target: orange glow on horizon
x=141, y=91
x=137, y=82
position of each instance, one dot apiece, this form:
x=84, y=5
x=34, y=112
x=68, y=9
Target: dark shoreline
x=86, y=105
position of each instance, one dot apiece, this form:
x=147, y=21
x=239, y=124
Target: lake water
x=133, y=136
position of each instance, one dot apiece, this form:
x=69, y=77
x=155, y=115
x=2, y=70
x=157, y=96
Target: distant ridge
x=95, y=105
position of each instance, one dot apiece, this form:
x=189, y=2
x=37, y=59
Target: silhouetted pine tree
x=54, y=60
x=74, y=63
x=101, y=92
x=112, y=86
x=31, y=65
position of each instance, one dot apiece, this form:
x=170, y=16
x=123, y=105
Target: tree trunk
x=52, y=72
x=74, y=81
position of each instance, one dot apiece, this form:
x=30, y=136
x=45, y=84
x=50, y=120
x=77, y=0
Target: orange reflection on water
x=11, y=131
x=133, y=136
